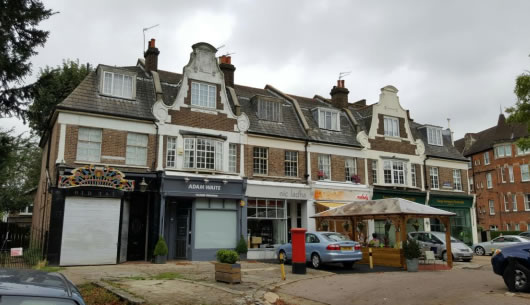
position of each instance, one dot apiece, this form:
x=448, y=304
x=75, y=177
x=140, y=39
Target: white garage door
x=90, y=231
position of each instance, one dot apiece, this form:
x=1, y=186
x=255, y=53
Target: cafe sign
x=96, y=176
x=454, y=202
x=345, y=195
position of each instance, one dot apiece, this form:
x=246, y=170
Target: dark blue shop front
x=201, y=214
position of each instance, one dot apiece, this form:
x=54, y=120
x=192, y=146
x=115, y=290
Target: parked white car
x=500, y=242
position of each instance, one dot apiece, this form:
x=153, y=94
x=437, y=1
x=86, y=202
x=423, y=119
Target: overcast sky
x=449, y=59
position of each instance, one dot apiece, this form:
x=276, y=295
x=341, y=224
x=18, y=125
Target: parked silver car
x=436, y=242
x=487, y=247
x=326, y=247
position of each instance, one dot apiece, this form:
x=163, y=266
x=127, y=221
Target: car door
x=495, y=243
x=310, y=241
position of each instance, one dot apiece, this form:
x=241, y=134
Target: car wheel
x=347, y=265
x=517, y=277
x=444, y=256
x=280, y=254
x=480, y=251
x=315, y=261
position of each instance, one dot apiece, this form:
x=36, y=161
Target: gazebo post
x=447, y=224
x=354, y=228
x=403, y=229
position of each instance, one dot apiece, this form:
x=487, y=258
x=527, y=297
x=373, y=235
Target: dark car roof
x=37, y=283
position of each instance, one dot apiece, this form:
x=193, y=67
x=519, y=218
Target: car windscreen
x=26, y=300
x=525, y=237
x=335, y=237
x=442, y=238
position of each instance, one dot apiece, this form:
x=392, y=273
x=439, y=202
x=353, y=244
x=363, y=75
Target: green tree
x=51, y=88
x=19, y=38
x=20, y=161
x=520, y=113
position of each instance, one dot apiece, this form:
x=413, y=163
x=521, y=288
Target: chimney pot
x=339, y=95
x=225, y=64
x=151, y=56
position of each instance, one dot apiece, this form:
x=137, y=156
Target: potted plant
x=160, y=252
x=242, y=248
x=412, y=253
x=416, y=225
x=356, y=179
x=324, y=224
x=346, y=226
x=226, y=269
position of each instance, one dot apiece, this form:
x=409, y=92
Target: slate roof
x=290, y=125
x=86, y=98
x=447, y=151
x=347, y=134
x=502, y=132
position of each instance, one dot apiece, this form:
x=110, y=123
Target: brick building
x=499, y=176
x=136, y=152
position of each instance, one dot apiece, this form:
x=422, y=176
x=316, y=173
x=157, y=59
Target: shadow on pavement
x=358, y=268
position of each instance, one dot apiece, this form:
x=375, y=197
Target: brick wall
x=276, y=164
x=403, y=147
x=446, y=175
x=186, y=117
x=381, y=126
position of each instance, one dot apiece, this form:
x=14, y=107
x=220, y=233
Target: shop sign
x=327, y=194
x=197, y=187
x=91, y=175
x=451, y=202
x=280, y=192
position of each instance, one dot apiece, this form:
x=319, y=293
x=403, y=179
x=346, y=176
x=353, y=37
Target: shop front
x=328, y=195
x=273, y=208
x=201, y=214
x=461, y=224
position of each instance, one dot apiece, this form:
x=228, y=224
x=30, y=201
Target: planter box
x=160, y=259
x=390, y=257
x=412, y=265
x=228, y=273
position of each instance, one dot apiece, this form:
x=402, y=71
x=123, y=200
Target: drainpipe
x=308, y=164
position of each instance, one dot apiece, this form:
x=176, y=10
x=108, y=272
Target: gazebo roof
x=383, y=207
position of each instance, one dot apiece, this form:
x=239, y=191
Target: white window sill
x=392, y=138
x=110, y=164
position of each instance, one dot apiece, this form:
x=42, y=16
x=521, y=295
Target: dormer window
x=391, y=126
x=434, y=136
x=269, y=110
x=327, y=119
x=118, y=85
x=203, y=95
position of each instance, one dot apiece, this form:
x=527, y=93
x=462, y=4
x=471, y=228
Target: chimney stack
x=225, y=64
x=151, y=56
x=339, y=95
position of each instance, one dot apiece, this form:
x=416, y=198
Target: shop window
x=514, y=202
x=261, y=156
x=394, y=171
x=267, y=225
x=525, y=174
x=118, y=85
x=89, y=144
x=136, y=149
x=203, y=95
x=489, y=183
x=232, y=157
x=202, y=153
x=391, y=126
x=374, y=171
x=433, y=173
x=492, y=206
x=324, y=167
x=457, y=178
x=171, y=154
x=269, y=110
x=291, y=163
x=413, y=175
x=434, y=136
x=486, y=158
x=350, y=170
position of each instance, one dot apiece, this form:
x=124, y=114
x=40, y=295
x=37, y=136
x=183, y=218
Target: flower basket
x=356, y=179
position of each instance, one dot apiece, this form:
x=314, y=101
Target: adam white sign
x=204, y=187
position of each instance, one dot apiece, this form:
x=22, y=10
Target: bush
x=161, y=247
x=227, y=256
x=241, y=247
x=32, y=256
x=411, y=249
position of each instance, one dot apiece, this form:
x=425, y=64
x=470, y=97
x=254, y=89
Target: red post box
x=298, y=247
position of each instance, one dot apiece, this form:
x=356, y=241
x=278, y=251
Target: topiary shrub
x=241, y=247
x=411, y=249
x=227, y=256
x=161, y=247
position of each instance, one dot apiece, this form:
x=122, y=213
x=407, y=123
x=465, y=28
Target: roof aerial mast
x=145, y=30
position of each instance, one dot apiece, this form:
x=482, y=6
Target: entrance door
x=181, y=234
x=178, y=217
x=137, y=227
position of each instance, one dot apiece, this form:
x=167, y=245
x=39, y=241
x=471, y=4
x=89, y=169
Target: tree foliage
x=52, y=87
x=20, y=161
x=520, y=113
x=19, y=38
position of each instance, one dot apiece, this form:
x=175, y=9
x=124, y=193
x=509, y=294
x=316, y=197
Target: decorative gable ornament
x=91, y=175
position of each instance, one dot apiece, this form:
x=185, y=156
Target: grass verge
x=94, y=295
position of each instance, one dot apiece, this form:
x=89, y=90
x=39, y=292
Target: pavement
x=467, y=283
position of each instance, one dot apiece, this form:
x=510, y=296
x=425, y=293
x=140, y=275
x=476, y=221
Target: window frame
x=489, y=181
x=435, y=178
x=290, y=163
x=521, y=152
x=350, y=169
x=457, y=180
x=506, y=203
x=514, y=202
x=87, y=142
x=374, y=172
x=232, y=157
x=131, y=158
x=491, y=204
x=274, y=114
x=322, y=166
x=393, y=122
x=510, y=173
x=503, y=179
x=413, y=175
x=260, y=158
x=486, y=158
x=527, y=171
x=112, y=93
x=505, y=148
x=192, y=152
x=396, y=170
x=526, y=198
x=171, y=152
x=322, y=118
x=197, y=102
x=434, y=136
